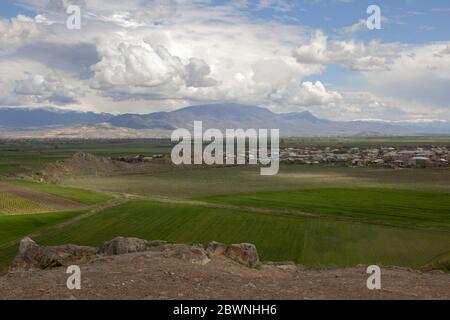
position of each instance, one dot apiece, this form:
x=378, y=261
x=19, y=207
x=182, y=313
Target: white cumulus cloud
x=351, y=53
x=18, y=31
x=313, y=94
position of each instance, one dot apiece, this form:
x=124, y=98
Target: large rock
x=121, y=245
x=157, y=243
x=216, y=248
x=244, y=253
x=33, y=256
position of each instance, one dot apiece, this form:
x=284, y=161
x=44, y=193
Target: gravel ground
x=151, y=276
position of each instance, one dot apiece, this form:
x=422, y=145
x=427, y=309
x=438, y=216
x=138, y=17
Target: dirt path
x=144, y=276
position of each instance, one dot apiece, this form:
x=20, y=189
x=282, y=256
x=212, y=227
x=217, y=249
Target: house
x=378, y=161
x=399, y=163
x=420, y=162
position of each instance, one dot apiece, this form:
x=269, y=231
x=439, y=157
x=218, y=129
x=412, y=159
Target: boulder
x=243, y=253
x=121, y=245
x=27, y=244
x=33, y=256
x=216, y=248
x=157, y=243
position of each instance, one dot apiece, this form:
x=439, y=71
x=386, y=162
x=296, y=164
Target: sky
x=141, y=56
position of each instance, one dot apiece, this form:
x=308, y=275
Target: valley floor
x=322, y=216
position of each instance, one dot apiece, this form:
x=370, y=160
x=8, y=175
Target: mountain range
x=25, y=118
x=221, y=116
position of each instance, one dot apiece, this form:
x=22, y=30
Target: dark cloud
x=61, y=100
x=74, y=58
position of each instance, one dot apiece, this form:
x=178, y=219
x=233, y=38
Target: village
x=393, y=157
x=380, y=156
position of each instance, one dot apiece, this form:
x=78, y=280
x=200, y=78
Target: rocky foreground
x=130, y=268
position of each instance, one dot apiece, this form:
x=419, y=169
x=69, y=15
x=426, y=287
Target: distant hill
x=221, y=116
x=228, y=116
x=23, y=118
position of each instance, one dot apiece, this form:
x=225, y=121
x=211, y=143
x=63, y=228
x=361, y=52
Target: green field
x=78, y=195
x=309, y=241
x=207, y=181
x=13, y=228
x=367, y=215
x=365, y=204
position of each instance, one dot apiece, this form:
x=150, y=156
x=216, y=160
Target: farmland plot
x=11, y=204
x=23, y=200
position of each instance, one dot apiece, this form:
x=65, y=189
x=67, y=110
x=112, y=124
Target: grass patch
x=439, y=263
x=308, y=241
x=78, y=195
x=391, y=206
x=16, y=227
x=193, y=182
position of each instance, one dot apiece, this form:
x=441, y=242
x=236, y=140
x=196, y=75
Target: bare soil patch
x=152, y=276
